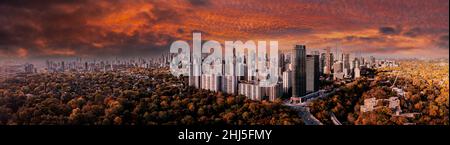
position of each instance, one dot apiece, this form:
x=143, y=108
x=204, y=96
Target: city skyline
x=147, y=28
x=224, y=71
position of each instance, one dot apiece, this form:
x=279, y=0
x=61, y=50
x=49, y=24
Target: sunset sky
x=90, y=28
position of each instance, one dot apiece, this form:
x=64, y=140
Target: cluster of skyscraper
x=247, y=85
x=343, y=67
x=80, y=65
x=13, y=70
x=304, y=68
x=299, y=73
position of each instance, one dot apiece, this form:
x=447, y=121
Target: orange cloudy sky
x=88, y=28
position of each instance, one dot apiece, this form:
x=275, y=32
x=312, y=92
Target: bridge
x=300, y=104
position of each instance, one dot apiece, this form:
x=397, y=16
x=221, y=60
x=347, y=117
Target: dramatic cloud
x=57, y=28
x=389, y=31
x=443, y=42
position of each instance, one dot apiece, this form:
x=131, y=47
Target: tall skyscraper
x=272, y=92
x=322, y=63
x=372, y=61
x=195, y=81
x=357, y=70
x=230, y=84
x=346, y=60
x=312, y=73
x=215, y=83
x=337, y=67
x=281, y=62
x=287, y=81
x=328, y=61
x=250, y=90
x=63, y=67
x=299, y=71
x=204, y=83
x=353, y=64
x=362, y=62
x=230, y=80
x=346, y=64
x=332, y=60
x=338, y=70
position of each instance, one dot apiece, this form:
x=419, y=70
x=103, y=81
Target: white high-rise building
x=211, y=82
x=204, y=82
x=195, y=81
x=230, y=80
x=230, y=84
x=215, y=83
x=246, y=89
x=254, y=92
x=357, y=72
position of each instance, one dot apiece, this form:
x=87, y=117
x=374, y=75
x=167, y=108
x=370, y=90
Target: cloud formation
x=50, y=28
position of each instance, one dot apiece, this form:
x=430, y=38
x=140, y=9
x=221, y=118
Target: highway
x=305, y=114
x=335, y=120
x=303, y=109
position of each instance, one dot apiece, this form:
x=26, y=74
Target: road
x=335, y=120
x=305, y=114
x=303, y=109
